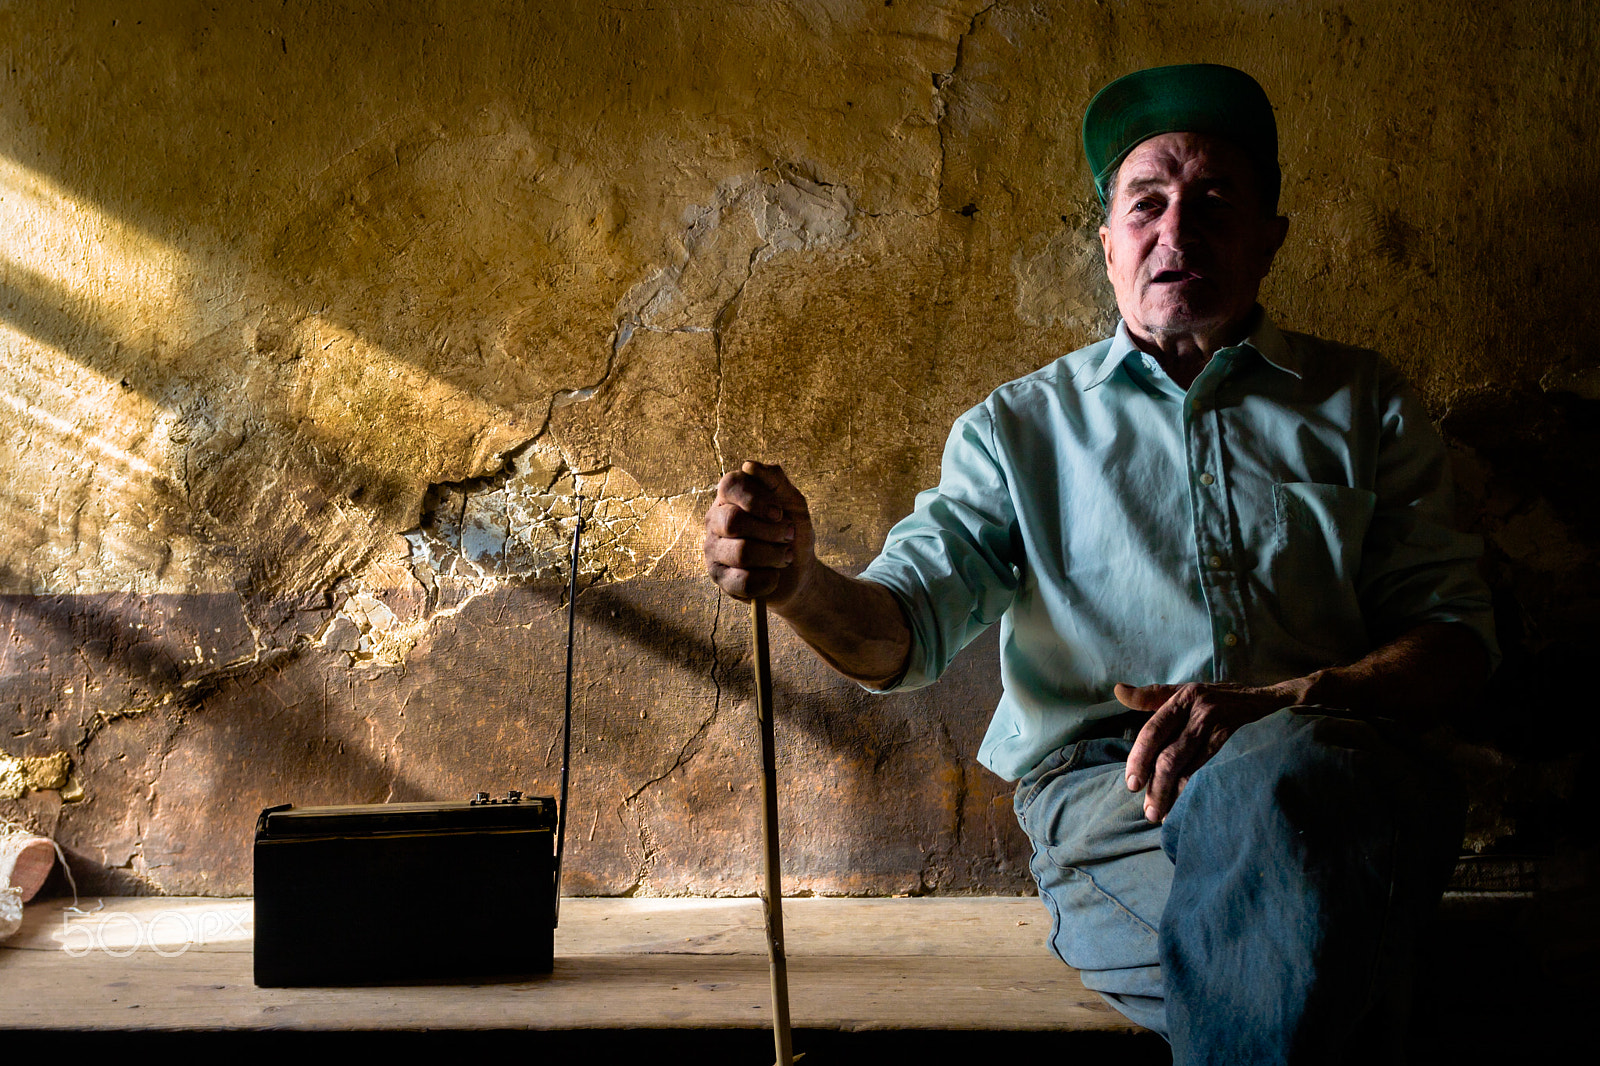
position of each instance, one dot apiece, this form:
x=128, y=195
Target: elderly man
x=1221, y=559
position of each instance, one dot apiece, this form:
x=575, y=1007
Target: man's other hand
x=759, y=542
x=1187, y=726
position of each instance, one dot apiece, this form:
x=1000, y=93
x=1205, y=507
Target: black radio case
x=368, y=894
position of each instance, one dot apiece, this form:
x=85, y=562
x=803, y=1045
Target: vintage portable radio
x=356, y=894
x=363, y=893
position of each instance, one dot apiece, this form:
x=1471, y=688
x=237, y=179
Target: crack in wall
x=751, y=219
x=687, y=751
x=789, y=210
x=98, y=722
x=193, y=691
x=620, y=336
x=941, y=82
x=962, y=785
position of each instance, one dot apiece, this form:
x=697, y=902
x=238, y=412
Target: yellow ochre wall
x=313, y=317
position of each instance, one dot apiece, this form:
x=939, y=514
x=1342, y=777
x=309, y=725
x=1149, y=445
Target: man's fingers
x=747, y=493
x=1170, y=747
x=1173, y=767
x=747, y=554
x=745, y=524
x=1167, y=721
x=761, y=488
x=1210, y=717
x=1191, y=726
x=1144, y=697
x=758, y=536
x=769, y=474
x=744, y=584
x=751, y=530
x=728, y=520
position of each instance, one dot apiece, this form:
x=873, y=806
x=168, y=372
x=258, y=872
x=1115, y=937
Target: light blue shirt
x=1290, y=512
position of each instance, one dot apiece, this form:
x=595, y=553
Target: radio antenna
x=566, y=721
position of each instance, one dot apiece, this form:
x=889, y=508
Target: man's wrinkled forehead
x=1198, y=162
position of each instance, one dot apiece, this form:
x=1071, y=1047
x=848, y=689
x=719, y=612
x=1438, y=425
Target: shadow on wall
x=180, y=753
x=1527, y=461
x=173, y=752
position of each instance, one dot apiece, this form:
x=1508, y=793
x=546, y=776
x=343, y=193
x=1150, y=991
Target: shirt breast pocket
x=1316, y=547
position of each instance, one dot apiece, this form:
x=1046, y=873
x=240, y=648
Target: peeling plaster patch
x=517, y=525
x=20, y=775
x=797, y=215
x=369, y=632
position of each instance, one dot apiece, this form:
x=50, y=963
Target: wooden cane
x=772, y=900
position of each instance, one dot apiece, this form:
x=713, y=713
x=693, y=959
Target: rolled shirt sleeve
x=953, y=562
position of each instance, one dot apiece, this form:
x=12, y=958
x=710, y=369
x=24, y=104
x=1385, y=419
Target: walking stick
x=772, y=901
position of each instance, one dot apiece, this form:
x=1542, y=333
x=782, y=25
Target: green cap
x=1192, y=98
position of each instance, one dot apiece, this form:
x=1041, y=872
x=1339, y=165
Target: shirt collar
x=1271, y=345
x=1265, y=339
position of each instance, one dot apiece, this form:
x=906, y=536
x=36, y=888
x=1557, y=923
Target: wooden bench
x=871, y=980
x=162, y=963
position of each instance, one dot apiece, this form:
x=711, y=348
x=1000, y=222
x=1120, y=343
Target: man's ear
x=1277, y=231
x=1281, y=226
x=1105, y=246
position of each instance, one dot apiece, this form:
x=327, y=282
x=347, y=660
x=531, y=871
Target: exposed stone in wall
x=518, y=525
x=315, y=323
x=19, y=776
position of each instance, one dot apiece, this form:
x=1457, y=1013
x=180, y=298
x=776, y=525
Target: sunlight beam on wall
x=128, y=282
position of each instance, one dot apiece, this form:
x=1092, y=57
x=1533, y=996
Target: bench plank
x=620, y=963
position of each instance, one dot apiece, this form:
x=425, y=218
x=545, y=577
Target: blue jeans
x=1275, y=916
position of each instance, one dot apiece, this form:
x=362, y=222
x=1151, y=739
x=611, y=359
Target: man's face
x=1187, y=240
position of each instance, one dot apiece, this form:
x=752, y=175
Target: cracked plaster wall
x=314, y=323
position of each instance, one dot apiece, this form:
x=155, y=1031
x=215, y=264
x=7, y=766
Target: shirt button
x=1215, y=562
x=1231, y=640
x=1206, y=479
